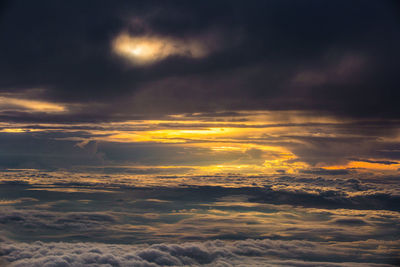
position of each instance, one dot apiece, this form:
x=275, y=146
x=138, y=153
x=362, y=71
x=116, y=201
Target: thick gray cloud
x=212, y=253
x=272, y=56
x=40, y=220
x=276, y=55
x=291, y=222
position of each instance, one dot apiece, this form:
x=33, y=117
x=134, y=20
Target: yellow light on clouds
x=149, y=49
x=13, y=130
x=366, y=165
x=33, y=105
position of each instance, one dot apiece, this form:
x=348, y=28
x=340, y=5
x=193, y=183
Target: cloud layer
x=233, y=56
x=212, y=253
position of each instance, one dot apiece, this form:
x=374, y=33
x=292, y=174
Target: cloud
x=144, y=50
x=37, y=220
x=30, y=105
x=227, y=64
x=245, y=57
x=339, y=149
x=294, y=209
x=385, y=162
x=45, y=151
x=351, y=222
x=321, y=171
x=212, y=253
x=337, y=228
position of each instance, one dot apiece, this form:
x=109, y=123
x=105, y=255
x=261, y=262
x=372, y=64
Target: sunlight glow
x=367, y=166
x=252, y=142
x=144, y=50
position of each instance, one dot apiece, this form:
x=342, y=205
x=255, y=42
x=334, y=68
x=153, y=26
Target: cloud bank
x=233, y=56
x=212, y=253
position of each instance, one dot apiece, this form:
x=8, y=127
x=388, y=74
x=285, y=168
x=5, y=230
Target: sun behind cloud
x=143, y=50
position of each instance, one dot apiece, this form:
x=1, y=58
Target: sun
x=137, y=51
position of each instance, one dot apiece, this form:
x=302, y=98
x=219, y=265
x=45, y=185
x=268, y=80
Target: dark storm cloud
x=339, y=57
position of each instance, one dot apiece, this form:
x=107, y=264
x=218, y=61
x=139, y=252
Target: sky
x=215, y=133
